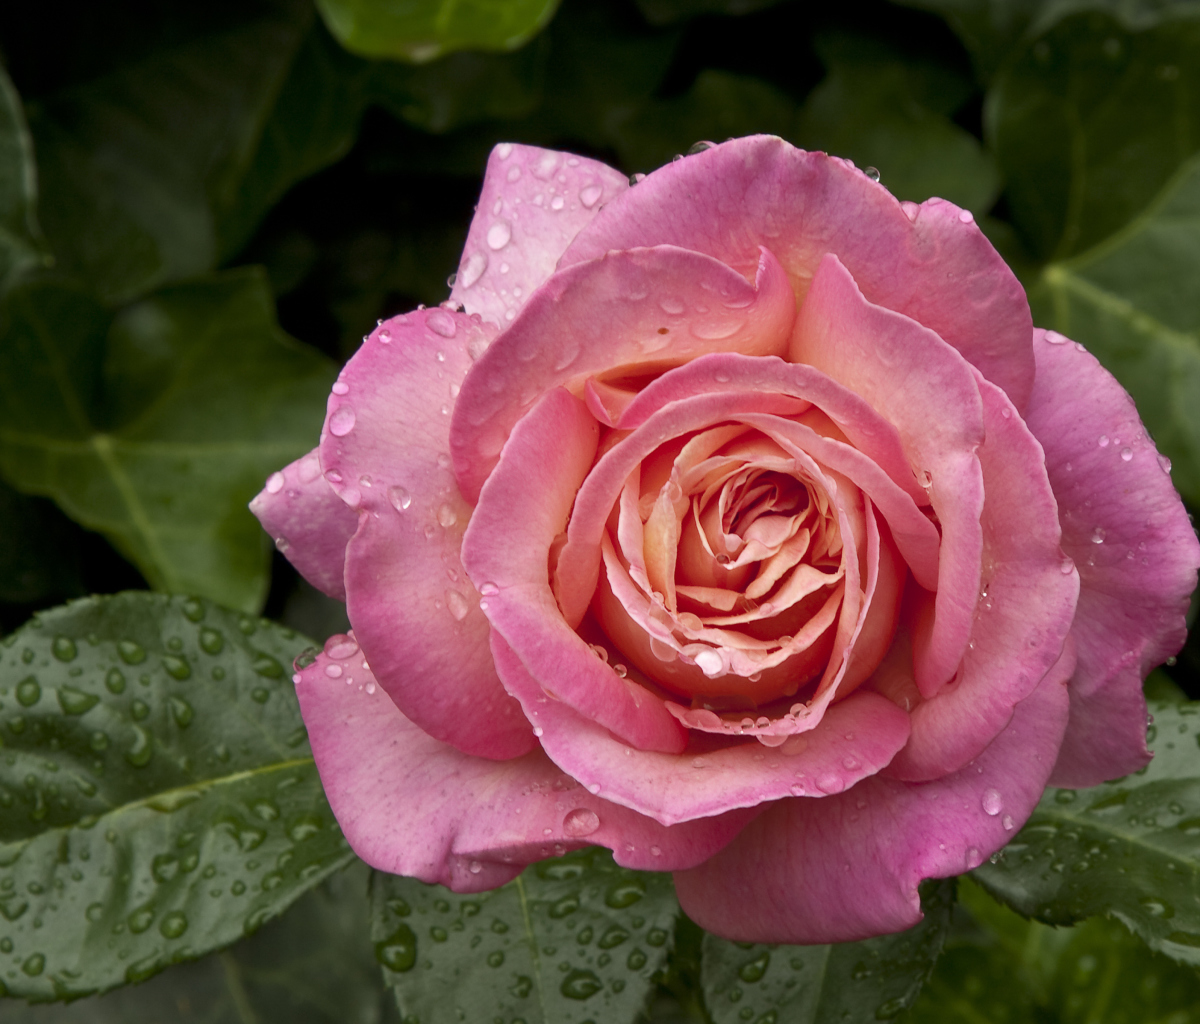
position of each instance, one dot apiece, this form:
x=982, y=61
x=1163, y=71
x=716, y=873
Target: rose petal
x=1134, y=584
x=858, y=736
x=534, y=201
x=847, y=867
x=522, y=509
x=415, y=613
x=311, y=525
x=652, y=308
x=931, y=263
x=410, y=805
x=1020, y=625
x=904, y=371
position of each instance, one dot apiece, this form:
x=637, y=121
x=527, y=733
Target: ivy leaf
x=1001, y=969
x=871, y=980
x=157, y=427
x=1131, y=300
x=161, y=168
x=1089, y=121
x=1129, y=848
x=570, y=939
x=312, y=965
x=420, y=30
x=159, y=795
x=21, y=243
x=893, y=113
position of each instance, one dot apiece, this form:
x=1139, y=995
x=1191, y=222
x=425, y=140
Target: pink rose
x=742, y=523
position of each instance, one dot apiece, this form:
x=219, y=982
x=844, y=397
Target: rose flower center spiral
x=727, y=560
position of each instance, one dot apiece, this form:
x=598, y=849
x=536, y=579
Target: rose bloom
x=739, y=521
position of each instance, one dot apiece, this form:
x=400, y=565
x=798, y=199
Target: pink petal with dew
x=847, y=867
x=1129, y=536
x=310, y=524
x=904, y=370
x=713, y=777
x=413, y=806
x=522, y=510
x=929, y=262
x=534, y=202
x=415, y=612
x=1023, y=611
x=648, y=309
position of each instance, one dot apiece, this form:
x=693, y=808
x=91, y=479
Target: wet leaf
x=1132, y=301
x=159, y=797
x=156, y=427
x=313, y=965
x=1089, y=121
x=1129, y=848
x=861, y=981
x=571, y=939
x=998, y=968
x=420, y=30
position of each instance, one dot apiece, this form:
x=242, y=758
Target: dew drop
x=1066, y=566
x=342, y=421
x=581, y=822
x=334, y=671
x=872, y=173
x=965, y=216
x=1098, y=535
x=29, y=692
x=514, y=173
x=340, y=647
x=457, y=605
x=399, y=497
x=974, y=858
x=590, y=196
x=1054, y=338
x=1007, y=822
x=1103, y=441
x=442, y=323
x=671, y=305
x=1126, y=454
x=1164, y=464
x=446, y=516
x=993, y=803
x=830, y=783
x=499, y=235
x=489, y=589
x=275, y=481
x=340, y=387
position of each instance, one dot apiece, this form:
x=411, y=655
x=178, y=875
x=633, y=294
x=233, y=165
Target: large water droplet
x=590, y=195
x=624, y=893
x=181, y=711
x=1098, y=535
x=1126, y=454
x=457, y=605
x=142, y=748
x=580, y=984
x=34, y=965
x=710, y=662
x=993, y=803
x=64, y=648
x=342, y=421
x=1054, y=338
x=29, y=692
x=446, y=516
x=442, y=323
x=830, y=783
x=872, y=173
x=173, y=925
x=131, y=653
x=581, y=822
x=211, y=641
x=756, y=968
x=75, y=702
x=340, y=647
x=671, y=305
x=499, y=235
x=177, y=668
x=398, y=952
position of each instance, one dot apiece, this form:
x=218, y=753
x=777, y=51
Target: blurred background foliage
x=204, y=204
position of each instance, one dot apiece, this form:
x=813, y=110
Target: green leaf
x=312, y=965
x=990, y=29
x=1133, y=302
x=420, y=30
x=860, y=981
x=159, y=795
x=1000, y=969
x=157, y=427
x=21, y=243
x=719, y=105
x=570, y=939
x=1129, y=848
x=891, y=112
x=142, y=169
x=1089, y=121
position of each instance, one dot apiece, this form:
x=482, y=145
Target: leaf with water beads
x=157, y=800
x=871, y=980
x=1128, y=848
x=572, y=939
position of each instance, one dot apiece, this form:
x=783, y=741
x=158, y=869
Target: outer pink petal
x=929, y=262
x=309, y=523
x=415, y=612
x=651, y=308
x=534, y=202
x=906, y=373
x=413, y=806
x=1024, y=611
x=1112, y=487
x=847, y=867
x=856, y=738
x=522, y=509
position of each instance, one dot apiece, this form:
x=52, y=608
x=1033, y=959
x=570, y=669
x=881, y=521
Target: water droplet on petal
x=872, y=173
x=710, y=662
x=340, y=647
x=1098, y=535
x=590, y=195
x=993, y=803
x=1066, y=566
x=671, y=305
x=334, y=671
x=830, y=783
x=1126, y=454
x=504, y=150
x=275, y=483
x=974, y=858
x=1007, y=822
x=1103, y=441
x=340, y=387
x=399, y=497
x=581, y=822
x=1054, y=338
x=1164, y=464
x=457, y=605
x=441, y=322
x=342, y=421
x=499, y=235
x=446, y=516
x=966, y=216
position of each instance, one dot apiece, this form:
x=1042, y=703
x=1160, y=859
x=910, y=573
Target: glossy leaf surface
x=159, y=796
